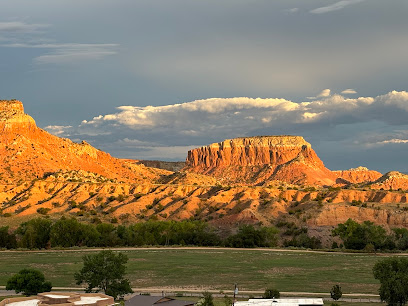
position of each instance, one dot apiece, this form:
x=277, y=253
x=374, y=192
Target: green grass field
x=214, y=269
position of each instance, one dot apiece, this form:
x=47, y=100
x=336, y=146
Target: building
x=281, y=302
x=147, y=300
x=61, y=299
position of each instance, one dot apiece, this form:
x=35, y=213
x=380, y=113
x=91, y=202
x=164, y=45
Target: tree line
x=370, y=237
x=43, y=233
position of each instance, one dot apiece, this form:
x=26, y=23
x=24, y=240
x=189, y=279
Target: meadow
x=218, y=269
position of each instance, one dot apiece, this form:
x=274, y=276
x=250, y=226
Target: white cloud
x=232, y=116
x=349, y=91
x=334, y=7
x=324, y=93
x=58, y=130
x=394, y=141
x=169, y=131
x=199, y=116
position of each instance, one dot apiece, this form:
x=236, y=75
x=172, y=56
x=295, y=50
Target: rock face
x=357, y=175
x=257, y=160
x=28, y=152
x=13, y=120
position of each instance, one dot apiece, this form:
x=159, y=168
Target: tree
x=357, y=236
x=105, y=271
x=34, y=234
x=249, y=237
x=393, y=276
x=29, y=282
x=7, y=240
x=271, y=294
x=206, y=300
x=336, y=292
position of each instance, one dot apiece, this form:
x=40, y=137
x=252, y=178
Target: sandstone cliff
x=28, y=152
x=257, y=160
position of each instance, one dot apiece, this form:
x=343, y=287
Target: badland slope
x=96, y=199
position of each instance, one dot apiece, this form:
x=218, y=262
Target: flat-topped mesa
x=247, y=151
x=256, y=160
x=262, y=141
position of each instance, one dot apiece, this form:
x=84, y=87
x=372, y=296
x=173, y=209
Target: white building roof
x=32, y=302
x=280, y=302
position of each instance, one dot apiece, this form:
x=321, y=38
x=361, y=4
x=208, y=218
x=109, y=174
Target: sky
x=151, y=79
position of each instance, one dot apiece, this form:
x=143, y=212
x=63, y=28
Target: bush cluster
x=370, y=237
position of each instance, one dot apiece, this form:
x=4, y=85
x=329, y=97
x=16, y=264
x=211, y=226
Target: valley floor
x=214, y=269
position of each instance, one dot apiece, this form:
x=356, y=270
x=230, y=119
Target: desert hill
x=99, y=198
x=28, y=152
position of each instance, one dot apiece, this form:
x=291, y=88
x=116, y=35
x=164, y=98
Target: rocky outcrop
x=357, y=175
x=28, y=152
x=257, y=160
x=392, y=180
x=13, y=120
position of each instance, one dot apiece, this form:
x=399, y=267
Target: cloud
x=169, y=131
x=348, y=91
x=292, y=10
x=55, y=53
x=334, y=7
x=58, y=130
x=76, y=52
x=229, y=114
x=21, y=27
x=394, y=141
x=324, y=93
x=229, y=117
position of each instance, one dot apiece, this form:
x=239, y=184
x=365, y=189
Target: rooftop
x=66, y=298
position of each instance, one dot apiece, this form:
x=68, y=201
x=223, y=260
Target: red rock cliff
x=255, y=160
